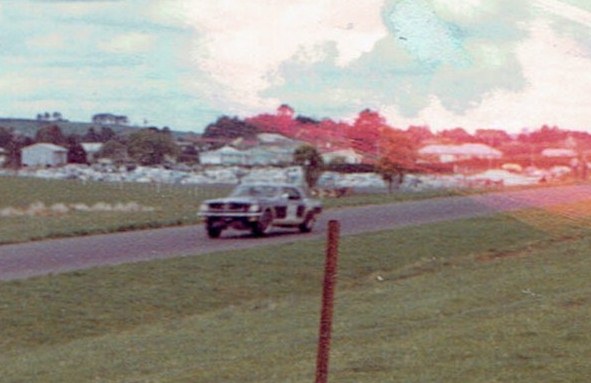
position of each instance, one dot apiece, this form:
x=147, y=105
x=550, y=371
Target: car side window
x=292, y=194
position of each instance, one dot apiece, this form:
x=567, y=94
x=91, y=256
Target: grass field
x=171, y=204
x=500, y=299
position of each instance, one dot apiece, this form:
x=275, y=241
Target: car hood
x=244, y=200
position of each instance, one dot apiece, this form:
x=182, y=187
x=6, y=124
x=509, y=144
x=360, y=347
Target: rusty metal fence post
x=330, y=271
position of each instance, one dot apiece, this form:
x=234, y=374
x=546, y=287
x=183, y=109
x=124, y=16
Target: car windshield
x=255, y=191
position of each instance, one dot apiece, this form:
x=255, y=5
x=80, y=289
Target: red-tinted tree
x=398, y=156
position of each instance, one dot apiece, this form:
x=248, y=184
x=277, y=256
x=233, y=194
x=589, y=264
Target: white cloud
x=242, y=42
x=50, y=41
x=559, y=82
x=80, y=8
x=134, y=42
x=462, y=8
x=567, y=11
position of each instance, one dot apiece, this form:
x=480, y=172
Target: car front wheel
x=213, y=231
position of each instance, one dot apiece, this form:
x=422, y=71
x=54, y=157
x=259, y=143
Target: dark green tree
x=13, y=149
x=5, y=137
x=312, y=163
x=114, y=150
x=91, y=135
x=106, y=134
x=229, y=128
x=76, y=153
x=51, y=134
x=150, y=147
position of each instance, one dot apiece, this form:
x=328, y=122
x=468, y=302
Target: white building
x=348, y=156
x=226, y=155
x=453, y=153
x=44, y=155
x=559, y=152
x=92, y=149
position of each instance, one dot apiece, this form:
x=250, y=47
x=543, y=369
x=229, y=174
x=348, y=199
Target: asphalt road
x=26, y=260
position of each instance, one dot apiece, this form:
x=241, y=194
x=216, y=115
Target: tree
x=5, y=137
x=113, y=150
x=51, y=134
x=366, y=131
x=229, y=128
x=76, y=153
x=311, y=161
x=189, y=154
x=456, y=136
x=398, y=157
x=106, y=134
x=150, y=147
x=13, y=149
x=91, y=135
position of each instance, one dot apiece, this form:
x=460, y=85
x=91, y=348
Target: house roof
x=558, y=152
x=464, y=149
x=92, y=147
x=342, y=152
x=48, y=146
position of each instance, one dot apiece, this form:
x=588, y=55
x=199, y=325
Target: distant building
x=454, y=153
x=559, y=153
x=226, y=155
x=44, y=155
x=347, y=156
x=92, y=149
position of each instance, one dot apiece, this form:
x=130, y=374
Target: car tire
x=263, y=225
x=308, y=224
x=213, y=231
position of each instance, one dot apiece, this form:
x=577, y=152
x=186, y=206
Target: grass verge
x=478, y=300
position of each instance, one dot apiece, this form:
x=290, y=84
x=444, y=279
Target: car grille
x=228, y=207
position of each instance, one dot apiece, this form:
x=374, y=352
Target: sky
x=475, y=64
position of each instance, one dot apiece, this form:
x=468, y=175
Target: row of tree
x=148, y=146
x=363, y=133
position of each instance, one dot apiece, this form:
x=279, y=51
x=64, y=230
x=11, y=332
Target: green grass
x=173, y=204
x=480, y=300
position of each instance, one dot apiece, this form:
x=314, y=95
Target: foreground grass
x=172, y=204
x=479, y=300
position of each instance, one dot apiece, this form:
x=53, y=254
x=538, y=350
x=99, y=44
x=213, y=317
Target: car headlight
x=204, y=207
x=254, y=208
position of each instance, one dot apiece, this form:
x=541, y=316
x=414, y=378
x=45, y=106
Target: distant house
x=226, y=155
x=92, y=150
x=454, y=153
x=348, y=156
x=270, y=155
x=43, y=154
x=559, y=153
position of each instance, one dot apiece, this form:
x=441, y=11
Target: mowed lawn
x=163, y=205
x=499, y=299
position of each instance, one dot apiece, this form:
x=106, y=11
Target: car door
x=295, y=205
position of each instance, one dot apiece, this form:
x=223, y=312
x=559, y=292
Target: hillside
x=29, y=127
